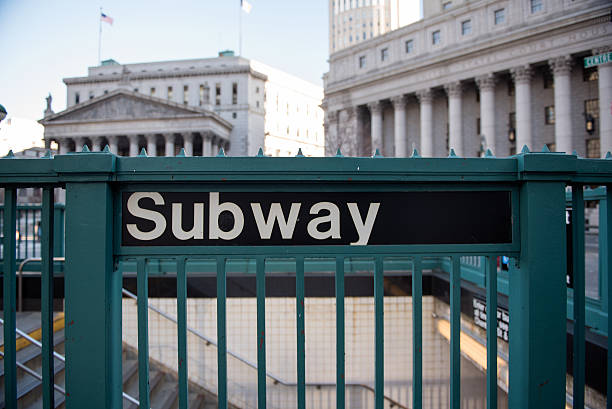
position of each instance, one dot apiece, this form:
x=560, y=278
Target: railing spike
x=608, y=155
x=489, y=154
x=143, y=153
x=299, y=154
x=47, y=154
x=182, y=153
x=106, y=149
x=525, y=149
x=575, y=153
x=10, y=154
x=260, y=153
x=377, y=154
x=85, y=149
x=338, y=153
x=452, y=154
x=545, y=149
x=221, y=153
x=415, y=153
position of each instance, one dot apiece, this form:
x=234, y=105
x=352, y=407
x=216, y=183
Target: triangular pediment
x=123, y=105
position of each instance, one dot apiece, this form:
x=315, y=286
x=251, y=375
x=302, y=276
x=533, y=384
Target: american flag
x=106, y=18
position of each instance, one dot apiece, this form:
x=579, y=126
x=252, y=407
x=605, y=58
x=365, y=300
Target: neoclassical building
x=477, y=75
x=201, y=105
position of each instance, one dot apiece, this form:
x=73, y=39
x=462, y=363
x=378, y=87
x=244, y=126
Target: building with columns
x=476, y=75
x=199, y=105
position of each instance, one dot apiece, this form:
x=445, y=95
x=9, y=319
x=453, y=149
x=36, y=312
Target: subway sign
x=315, y=218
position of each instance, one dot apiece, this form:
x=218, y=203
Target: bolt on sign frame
x=99, y=185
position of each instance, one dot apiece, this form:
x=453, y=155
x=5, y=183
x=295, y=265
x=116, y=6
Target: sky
x=46, y=41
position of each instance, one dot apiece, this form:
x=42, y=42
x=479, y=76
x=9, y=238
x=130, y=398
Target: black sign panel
x=315, y=218
x=480, y=318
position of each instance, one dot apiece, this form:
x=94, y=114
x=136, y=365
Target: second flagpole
x=100, y=36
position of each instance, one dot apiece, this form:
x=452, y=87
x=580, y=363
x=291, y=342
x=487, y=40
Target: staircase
x=163, y=381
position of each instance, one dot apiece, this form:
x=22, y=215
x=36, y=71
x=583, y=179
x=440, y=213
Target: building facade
x=354, y=21
x=200, y=105
x=477, y=75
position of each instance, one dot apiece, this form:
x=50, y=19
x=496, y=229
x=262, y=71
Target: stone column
x=377, y=126
x=561, y=68
x=78, y=143
x=425, y=99
x=169, y=144
x=63, y=145
x=48, y=143
x=605, y=103
x=486, y=85
x=206, y=144
x=522, y=85
x=399, y=107
x=151, y=144
x=332, y=137
x=133, y=139
x=96, y=143
x=455, y=134
x=113, y=142
x=188, y=143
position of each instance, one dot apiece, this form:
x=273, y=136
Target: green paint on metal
x=181, y=309
x=143, y=333
x=608, y=290
x=301, y=349
x=491, y=271
x=417, y=333
x=340, y=341
x=10, y=289
x=221, y=334
x=46, y=298
x=261, y=332
x=579, y=294
x=455, y=323
x=379, y=344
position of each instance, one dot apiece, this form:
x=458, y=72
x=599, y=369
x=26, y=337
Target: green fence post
x=92, y=286
x=538, y=300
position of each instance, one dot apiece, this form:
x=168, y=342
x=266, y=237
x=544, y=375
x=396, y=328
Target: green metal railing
x=94, y=183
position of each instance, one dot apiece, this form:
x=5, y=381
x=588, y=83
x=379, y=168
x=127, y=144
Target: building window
x=234, y=93
x=592, y=146
x=435, y=37
x=362, y=61
x=105, y=91
x=591, y=107
x=91, y=95
x=364, y=35
x=478, y=126
x=217, y=94
x=549, y=115
x=135, y=89
x=466, y=27
x=548, y=80
x=257, y=104
x=409, y=46
x=447, y=5
x=500, y=16
x=201, y=95
x=234, y=115
x=152, y=91
x=185, y=94
x=77, y=98
x=384, y=54
x=169, y=92
x=590, y=74
x=536, y=6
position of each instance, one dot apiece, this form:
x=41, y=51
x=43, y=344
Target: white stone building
x=354, y=21
x=200, y=105
x=472, y=75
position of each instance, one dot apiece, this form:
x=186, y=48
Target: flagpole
x=100, y=36
x=240, y=30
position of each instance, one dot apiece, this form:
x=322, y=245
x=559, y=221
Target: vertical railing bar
x=417, y=333
x=10, y=290
x=18, y=228
x=143, y=332
x=340, y=364
x=455, y=352
x=301, y=349
x=261, y=332
x=608, y=250
x=491, y=285
x=578, y=363
x=379, y=356
x=27, y=237
x=221, y=335
x=46, y=301
x=181, y=309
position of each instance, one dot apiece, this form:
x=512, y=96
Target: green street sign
x=597, y=60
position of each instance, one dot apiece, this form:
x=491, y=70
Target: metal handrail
x=20, y=278
x=275, y=378
x=56, y=355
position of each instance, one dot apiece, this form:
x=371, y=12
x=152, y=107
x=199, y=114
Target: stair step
x=30, y=352
x=165, y=394
x=195, y=400
x=28, y=383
